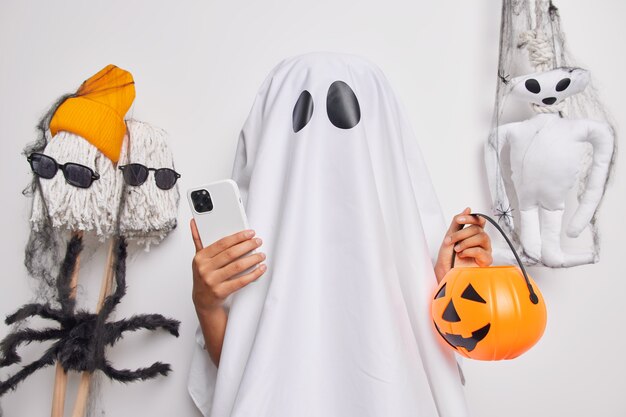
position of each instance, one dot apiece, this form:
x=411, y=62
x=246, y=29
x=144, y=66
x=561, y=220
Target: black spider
x=503, y=212
x=505, y=78
x=82, y=336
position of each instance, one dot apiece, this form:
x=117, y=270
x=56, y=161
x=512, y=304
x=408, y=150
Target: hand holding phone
x=215, y=266
x=228, y=262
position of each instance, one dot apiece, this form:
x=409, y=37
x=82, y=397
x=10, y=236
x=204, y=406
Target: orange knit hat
x=96, y=112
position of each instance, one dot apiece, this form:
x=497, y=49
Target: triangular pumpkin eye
x=441, y=293
x=471, y=294
x=450, y=314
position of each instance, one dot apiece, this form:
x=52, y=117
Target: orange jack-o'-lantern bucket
x=489, y=313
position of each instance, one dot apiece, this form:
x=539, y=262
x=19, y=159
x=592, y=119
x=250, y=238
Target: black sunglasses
x=75, y=174
x=137, y=174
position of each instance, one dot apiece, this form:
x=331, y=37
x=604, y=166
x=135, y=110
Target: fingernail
x=457, y=248
x=461, y=219
x=249, y=233
x=258, y=240
x=262, y=255
x=448, y=240
x=263, y=267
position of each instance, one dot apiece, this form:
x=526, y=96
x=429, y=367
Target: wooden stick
x=58, y=395
x=83, y=394
x=107, y=279
x=105, y=287
x=60, y=376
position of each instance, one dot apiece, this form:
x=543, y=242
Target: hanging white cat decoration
x=548, y=157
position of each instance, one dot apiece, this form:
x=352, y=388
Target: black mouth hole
x=549, y=100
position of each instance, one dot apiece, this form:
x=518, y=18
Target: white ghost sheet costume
x=334, y=183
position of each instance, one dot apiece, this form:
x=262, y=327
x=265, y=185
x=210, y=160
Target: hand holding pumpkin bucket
x=489, y=313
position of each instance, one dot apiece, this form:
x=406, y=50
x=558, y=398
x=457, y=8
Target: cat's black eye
x=563, y=84
x=533, y=86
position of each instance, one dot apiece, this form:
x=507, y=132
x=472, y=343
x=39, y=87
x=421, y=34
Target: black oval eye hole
x=441, y=293
x=533, y=86
x=342, y=106
x=563, y=84
x=471, y=294
x=302, y=111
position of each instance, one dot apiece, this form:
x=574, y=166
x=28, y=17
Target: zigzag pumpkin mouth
x=469, y=343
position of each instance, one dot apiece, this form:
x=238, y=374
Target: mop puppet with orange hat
x=82, y=197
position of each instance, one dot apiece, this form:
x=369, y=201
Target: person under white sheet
x=335, y=321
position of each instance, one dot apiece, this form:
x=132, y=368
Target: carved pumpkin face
x=486, y=313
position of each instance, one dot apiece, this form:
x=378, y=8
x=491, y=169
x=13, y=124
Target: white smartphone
x=219, y=212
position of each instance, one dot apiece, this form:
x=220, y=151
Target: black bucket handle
x=533, y=296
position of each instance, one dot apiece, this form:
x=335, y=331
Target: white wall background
x=197, y=66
